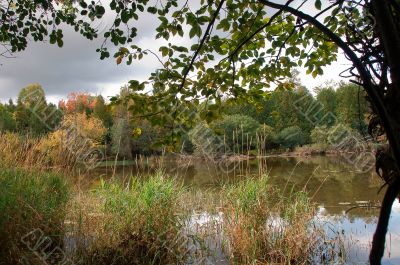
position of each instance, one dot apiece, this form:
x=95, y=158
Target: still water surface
x=347, y=200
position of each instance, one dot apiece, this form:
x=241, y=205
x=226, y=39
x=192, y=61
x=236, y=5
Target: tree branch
x=203, y=40
x=368, y=84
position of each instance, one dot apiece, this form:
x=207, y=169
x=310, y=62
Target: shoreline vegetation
x=115, y=223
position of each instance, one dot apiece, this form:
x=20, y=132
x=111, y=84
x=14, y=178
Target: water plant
x=31, y=203
x=262, y=226
x=138, y=224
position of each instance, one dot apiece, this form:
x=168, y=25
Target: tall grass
x=137, y=224
x=30, y=201
x=264, y=227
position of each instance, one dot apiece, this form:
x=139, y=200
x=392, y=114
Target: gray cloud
x=74, y=67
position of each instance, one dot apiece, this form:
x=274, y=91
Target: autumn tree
x=80, y=102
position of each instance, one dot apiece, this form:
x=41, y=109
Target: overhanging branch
x=368, y=85
x=203, y=40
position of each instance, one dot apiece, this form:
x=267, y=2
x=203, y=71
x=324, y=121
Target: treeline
x=294, y=117
x=285, y=119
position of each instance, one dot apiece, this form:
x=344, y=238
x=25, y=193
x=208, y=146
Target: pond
x=348, y=201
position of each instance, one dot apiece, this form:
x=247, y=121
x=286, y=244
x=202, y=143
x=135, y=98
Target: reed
x=136, y=224
x=264, y=227
x=31, y=203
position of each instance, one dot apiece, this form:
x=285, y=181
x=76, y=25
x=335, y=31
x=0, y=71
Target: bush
x=78, y=137
x=147, y=141
x=319, y=135
x=239, y=132
x=339, y=135
x=29, y=202
x=291, y=137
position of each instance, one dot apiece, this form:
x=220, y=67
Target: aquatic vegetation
x=136, y=224
x=262, y=226
x=156, y=220
x=31, y=203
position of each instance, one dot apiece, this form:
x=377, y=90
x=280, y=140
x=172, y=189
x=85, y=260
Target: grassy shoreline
x=158, y=221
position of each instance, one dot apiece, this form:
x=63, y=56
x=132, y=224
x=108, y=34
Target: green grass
x=264, y=227
x=146, y=221
x=28, y=201
x=140, y=223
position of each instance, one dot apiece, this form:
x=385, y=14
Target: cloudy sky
x=77, y=67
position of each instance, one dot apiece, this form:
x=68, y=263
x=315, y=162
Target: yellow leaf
x=119, y=59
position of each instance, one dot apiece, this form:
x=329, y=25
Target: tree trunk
x=390, y=40
x=378, y=242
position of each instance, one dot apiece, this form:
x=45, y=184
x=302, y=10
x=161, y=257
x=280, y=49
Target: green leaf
x=318, y=4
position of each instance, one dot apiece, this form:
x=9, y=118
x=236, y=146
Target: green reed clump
x=30, y=201
x=139, y=224
x=264, y=227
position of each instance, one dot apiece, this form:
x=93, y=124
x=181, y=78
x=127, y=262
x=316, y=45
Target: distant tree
x=326, y=96
x=33, y=114
x=7, y=122
x=286, y=106
x=10, y=106
x=31, y=95
x=102, y=112
x=121, y=137
x=238, y=130
x=78, y=103
x=291, y=137
x=352, y=107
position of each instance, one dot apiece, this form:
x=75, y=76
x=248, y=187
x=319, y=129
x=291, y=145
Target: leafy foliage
x=291, y=137
x=239, y=131
x=7, y=123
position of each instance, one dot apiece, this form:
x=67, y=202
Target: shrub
x=339, y=135
x=147, y=141
x=291, y=137
x=319, y=135
x=205, y=141
x=78, y=137
x=30, y=201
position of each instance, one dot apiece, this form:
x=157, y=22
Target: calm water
x=348, y=200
